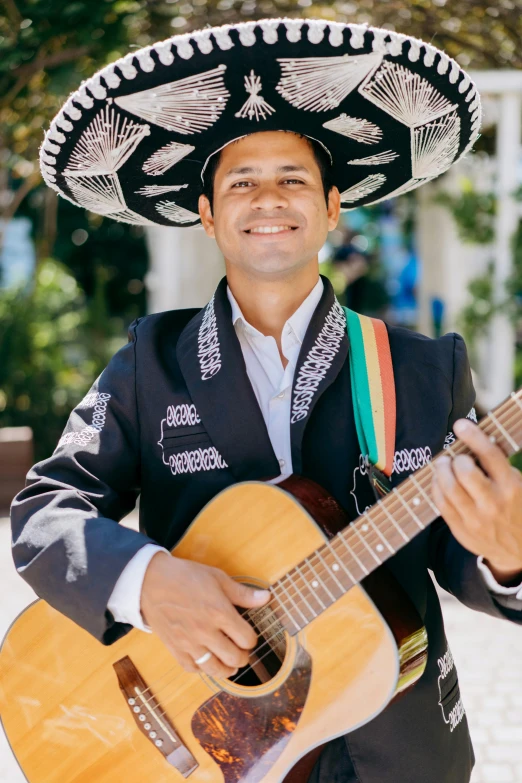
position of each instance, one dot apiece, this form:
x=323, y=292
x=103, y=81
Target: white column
x=185, y=267
x=447, y=265
x=502, y=357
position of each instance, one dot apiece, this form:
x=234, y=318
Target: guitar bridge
x=150, y=718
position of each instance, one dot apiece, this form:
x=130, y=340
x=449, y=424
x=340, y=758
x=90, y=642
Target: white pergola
x=448, y=264
x=506, y=87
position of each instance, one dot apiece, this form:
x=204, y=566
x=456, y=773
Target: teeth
x=269, y=229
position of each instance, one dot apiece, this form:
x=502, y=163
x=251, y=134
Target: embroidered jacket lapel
x=211, y=360
x=322, y=354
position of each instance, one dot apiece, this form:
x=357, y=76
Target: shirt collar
x=298, y=322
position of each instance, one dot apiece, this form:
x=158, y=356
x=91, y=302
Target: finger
x=475, y=482
x=228, y=653
x=446, y=509
x=452, y=492
x=490, y=456
x=242, y=595
x=187, y=662
x=213, y=667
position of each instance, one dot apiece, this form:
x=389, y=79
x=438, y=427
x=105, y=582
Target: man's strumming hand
x=191, y=607
x=482, y=505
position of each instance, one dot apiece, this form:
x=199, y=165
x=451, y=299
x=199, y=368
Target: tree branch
x=27, y=71
x=12, y=12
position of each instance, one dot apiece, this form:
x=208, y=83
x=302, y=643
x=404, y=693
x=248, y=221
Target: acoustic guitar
x=337, y=642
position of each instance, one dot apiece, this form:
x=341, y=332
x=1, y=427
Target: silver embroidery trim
x=97, y=401
x=195, y=461
x=175, y=213
x=166, y=157
x=209, y=353
x=255, y=106
x=322, y=83
x=318, y=362
x=187, y=106
x=411, y=459
x=450, y=437
x=182, y=415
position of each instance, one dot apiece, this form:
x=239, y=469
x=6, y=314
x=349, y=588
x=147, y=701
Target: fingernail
x=261, y=593
x=460, y=426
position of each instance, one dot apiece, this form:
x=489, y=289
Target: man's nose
x=269, y=196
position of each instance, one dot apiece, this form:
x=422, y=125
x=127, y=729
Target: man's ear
x=334, y=207
x=205, y=214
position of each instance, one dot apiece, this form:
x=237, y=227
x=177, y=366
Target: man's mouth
x=269, y=229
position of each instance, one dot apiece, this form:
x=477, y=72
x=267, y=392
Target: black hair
x=322, y=158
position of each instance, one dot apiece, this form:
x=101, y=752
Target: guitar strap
x=373, y=393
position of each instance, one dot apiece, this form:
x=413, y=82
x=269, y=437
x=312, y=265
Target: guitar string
x=257, y=650
x=464, y=449
x=166, y=702
x=457, y=445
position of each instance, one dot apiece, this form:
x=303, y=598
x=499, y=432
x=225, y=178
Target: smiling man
x=256, y=386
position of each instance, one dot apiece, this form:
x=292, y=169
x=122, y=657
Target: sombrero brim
x=131, y=143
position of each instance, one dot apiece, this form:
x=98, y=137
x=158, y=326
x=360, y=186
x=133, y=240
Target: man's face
x=269, y=180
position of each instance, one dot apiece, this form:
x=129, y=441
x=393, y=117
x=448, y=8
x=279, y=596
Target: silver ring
x=203, y=659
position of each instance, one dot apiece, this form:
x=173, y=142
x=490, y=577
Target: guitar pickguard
x=245, y=735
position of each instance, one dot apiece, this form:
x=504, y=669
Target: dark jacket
x=174, y=417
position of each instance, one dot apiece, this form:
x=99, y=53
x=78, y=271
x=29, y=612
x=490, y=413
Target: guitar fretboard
x=330, y=571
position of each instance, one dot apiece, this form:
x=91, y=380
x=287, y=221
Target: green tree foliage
x=46, y=362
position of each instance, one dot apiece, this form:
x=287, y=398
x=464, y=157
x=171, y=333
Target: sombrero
x=132, y=142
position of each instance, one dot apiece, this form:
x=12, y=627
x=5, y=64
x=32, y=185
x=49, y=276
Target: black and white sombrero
x=132, y=142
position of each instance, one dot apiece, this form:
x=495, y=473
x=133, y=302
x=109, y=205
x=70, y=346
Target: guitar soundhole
x=267, y=657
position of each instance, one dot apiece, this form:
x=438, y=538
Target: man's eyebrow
x=280, y=170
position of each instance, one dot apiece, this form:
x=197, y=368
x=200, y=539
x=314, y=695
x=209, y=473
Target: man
x=240, y=391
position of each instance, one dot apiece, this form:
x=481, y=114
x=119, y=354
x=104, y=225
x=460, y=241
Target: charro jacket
x=174, y=419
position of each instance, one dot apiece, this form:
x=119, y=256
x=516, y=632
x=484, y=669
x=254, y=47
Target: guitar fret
x=281, y=585
x=302, y=595
x=518, y=401
x=318, y=551
x=282, y=605
x=356, y=529
x=391, y=517
x=350, y=550
x=311, y=591
x=425, y=494
x=319, y=580
x=376, y=528
x=410, y=511
x=505, y=433
x=341, y=561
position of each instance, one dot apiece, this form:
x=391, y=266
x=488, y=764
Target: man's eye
x=244, y=182
x=291, y=179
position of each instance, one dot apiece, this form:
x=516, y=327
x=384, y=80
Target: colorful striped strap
x=373, y=388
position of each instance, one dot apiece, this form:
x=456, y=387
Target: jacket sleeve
x=67, y=543
x=455, y=568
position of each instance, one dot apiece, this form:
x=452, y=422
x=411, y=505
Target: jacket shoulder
x=408, y=346
x=154, y=326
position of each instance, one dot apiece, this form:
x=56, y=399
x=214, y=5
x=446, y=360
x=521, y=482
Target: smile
x=270, y=229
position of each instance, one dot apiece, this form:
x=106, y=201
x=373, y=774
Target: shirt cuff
x=492, y=583
x=125, y=601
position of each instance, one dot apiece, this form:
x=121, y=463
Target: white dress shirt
x=272, y=385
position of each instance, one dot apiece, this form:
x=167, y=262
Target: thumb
x=242, y=595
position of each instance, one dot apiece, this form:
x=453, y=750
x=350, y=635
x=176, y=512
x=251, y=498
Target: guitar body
x=68, y=720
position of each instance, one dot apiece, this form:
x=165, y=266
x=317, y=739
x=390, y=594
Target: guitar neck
x=317, y=582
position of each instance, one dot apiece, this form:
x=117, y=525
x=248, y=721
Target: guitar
x=338, y=641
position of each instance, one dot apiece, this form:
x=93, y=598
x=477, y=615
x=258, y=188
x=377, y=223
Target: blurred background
x=447, y=257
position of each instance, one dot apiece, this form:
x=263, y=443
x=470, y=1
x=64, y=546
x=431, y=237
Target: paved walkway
x=487, y=652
